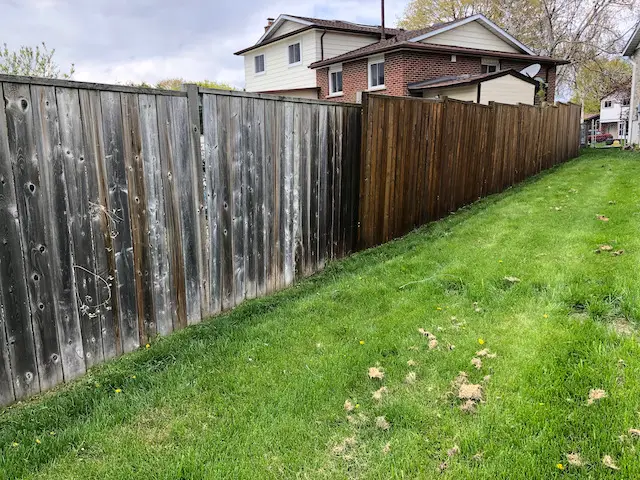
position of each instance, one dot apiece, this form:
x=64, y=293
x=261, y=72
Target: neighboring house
x=614, y=114
x=632, y=51
x=469, y=59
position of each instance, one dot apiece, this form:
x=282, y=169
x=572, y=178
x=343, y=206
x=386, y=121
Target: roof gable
x=481, y=20
x=284, y=24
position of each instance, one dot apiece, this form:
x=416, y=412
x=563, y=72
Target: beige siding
x=467, y=93
x=278, y=74
x=287, y=27
x=338, y=43
x=507, y=89
x=311, y=93
x=471, y=35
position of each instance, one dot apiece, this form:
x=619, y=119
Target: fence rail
x=127, y=213
x=423, y=159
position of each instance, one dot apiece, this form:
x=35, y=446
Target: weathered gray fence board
x=78, y=181
x=118, y=211
x=172, y=213
x=141, y=234
x=248, y=200
x=13, y=282
x=31, y=196
x=186, y=176
x=236, y=187
x=134, y=165
x=157, y=234
x=212, y=178
x=106, y=302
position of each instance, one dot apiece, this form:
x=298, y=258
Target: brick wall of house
x=402, y=68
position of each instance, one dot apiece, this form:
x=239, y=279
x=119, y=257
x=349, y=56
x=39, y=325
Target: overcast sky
x=147, y=40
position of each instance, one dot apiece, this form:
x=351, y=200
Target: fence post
x=195, y=120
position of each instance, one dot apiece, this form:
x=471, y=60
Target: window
x=489, y=68
x=489, y=65
x=335, y=82
x=626, y=102
x=294, y=54
x=623, y=129
x=376, y=73
x=607, y=104
x=259, y=63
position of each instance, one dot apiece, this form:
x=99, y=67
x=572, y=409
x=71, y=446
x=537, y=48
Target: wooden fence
x=127, y=213
x=422, y=159
x=115, y=225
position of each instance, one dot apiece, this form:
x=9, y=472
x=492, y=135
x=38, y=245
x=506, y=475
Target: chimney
x=269, y=23
x=383, y=34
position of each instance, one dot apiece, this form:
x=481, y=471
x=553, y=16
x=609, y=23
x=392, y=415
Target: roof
x=397, y=43
x=311, y=23
x=461, y=80
x=633, y=42
x=591, y=116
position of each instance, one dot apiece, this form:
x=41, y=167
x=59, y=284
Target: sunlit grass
x=260, y=392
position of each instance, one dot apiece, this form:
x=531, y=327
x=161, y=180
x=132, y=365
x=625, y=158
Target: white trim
x=279, y=21
x=376, y=88
x=337, y=94
x=632, y=44
x=487, y=23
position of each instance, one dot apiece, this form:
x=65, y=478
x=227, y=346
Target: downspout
x=633, y=109
x=324, y=32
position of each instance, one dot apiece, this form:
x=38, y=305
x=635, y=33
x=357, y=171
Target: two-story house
x=469, y=59
x=614, y=114
x=632, y=52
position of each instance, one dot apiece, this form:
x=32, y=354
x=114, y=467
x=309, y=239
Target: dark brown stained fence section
x=117, y=224
x=422, y=160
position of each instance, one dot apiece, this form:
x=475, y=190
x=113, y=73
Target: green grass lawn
x=260, y=392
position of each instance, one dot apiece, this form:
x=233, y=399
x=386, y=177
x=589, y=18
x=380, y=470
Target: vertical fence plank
x=102, y=223
x=213, y=155
x=157, y=229
x=79, y=178
x=270, y=192
x=32, y=194
x=118, y=210
x=237, y=212
x=138, y=208
x=186, y=176
x=260, y=156
x=16, y=313
x=296, y=235
x=248, y=195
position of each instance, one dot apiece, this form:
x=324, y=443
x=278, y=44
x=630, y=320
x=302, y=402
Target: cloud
x=148, y=40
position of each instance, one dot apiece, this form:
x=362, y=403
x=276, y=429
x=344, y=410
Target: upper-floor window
x=489, y=65
x=259, y=63
x=607, y=104
x=626, y=102
x=294, y=54
x=335, y=81
x=376, y=73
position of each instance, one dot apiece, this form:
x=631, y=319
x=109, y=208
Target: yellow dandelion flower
x=133, y=376
x=481, y=341
x=15, y=444
x=559, y=466
x=52, y=433
x=545, y=316
x=97, y=385
x=438, y=308
x=117, y=390
x=357, y=405
x=361, y=342
x=38, y=441
x=499, y=261
x=147, y=346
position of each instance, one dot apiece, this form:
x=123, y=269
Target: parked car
x=599, y=136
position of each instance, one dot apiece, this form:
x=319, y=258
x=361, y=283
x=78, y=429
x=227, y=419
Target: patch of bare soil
x=596, y=394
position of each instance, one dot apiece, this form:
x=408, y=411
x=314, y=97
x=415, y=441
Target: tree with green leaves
x=176, y=84
x=599, y=78
x=30, y=61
